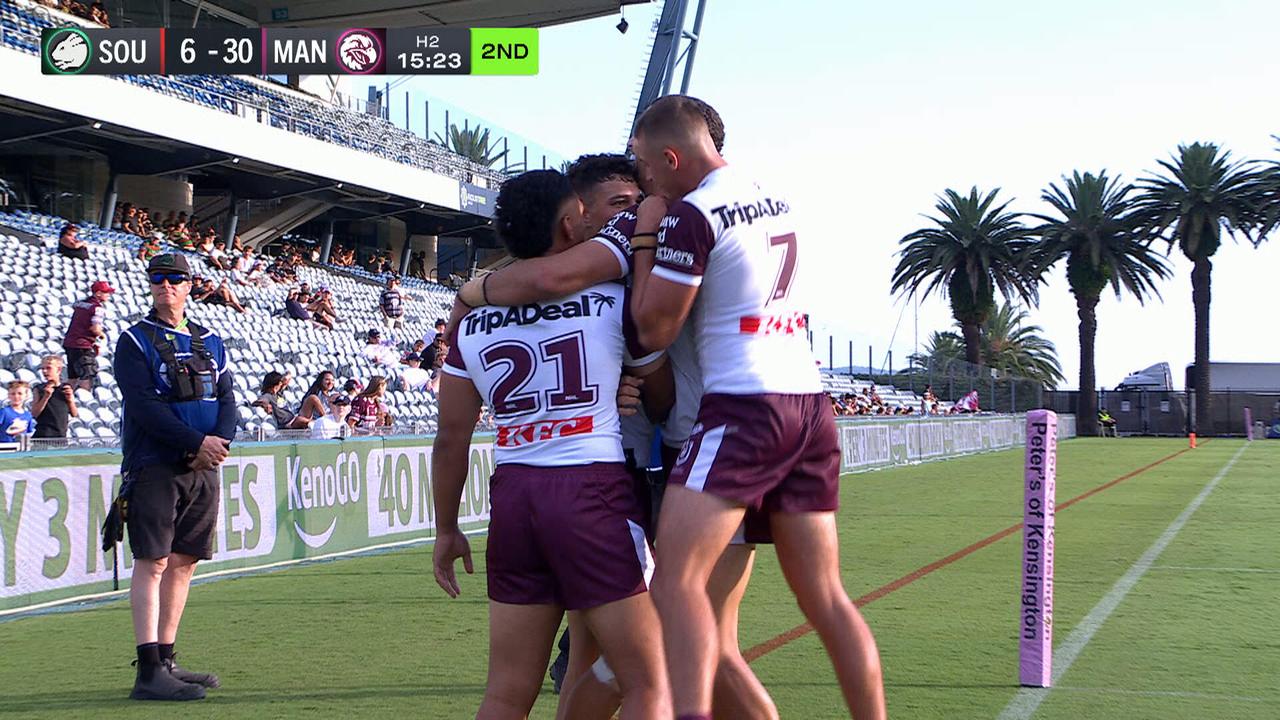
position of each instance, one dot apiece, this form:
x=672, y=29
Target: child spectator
x=54, y=402
x=15, y=420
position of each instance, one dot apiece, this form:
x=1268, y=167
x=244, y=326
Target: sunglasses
x=172, y=278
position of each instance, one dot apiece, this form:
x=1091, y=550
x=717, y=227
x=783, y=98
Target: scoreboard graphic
x=289, y=51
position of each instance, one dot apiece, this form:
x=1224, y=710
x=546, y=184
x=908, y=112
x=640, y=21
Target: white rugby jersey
x=737, y=243
x=550, y=373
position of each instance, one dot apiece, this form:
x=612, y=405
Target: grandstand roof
x=398, y=13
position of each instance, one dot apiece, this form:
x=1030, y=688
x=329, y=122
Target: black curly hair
x=589, y=171
x=526, y=211
x=715, y=124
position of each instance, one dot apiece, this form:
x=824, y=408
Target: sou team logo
x=68, y=51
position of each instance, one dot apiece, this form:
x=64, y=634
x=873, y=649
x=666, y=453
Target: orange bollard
x=1193, y=441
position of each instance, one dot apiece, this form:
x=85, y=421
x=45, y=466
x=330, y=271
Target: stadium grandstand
x=263, y=171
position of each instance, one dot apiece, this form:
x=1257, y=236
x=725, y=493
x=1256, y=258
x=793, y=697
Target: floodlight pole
x=666, y=54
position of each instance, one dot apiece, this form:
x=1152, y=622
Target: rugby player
x=603, y=185
x=765, y=438
x=563, y=532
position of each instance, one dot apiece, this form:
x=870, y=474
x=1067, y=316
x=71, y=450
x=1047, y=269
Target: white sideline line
x=1027, y=700
x=1166, y=693
x=1187, y=568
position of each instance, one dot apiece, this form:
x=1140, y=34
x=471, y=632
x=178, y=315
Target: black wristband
x=484, y=288
x=635, y=250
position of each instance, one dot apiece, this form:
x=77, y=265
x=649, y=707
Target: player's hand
x=650, y=213
x=213, y=451
x=629, y=395
x=449, y=547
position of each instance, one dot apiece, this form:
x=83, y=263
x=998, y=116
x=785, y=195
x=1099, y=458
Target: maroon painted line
x=803, y=629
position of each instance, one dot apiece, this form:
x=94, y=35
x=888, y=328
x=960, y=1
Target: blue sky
x=863, y=112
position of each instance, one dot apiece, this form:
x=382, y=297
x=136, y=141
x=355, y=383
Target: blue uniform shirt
x=156, y=431
x=8, y=415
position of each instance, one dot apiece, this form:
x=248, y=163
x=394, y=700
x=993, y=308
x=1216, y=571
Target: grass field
x=1197, y=636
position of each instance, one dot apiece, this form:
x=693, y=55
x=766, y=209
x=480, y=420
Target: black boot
x=155, y=683
x=561, y=664
x=208, y=680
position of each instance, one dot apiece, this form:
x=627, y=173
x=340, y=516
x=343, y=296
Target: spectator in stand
x=331, y=424
x=391, y=304
x=200, y=289
x=221, y=295
x=294, y=308
x=412, y=376
x=70, y=244
x=129, y=222
x=98, y=14
x=54, y=401
x=352, y=388
x=418, y=265
x=419, y=349
x=430, y=336
x=84, y=333
x=1107, y=422
x=368, y=411
x=968, y=403
x=15, y=419
x=151, y=246
x=928, y=399
x=145, y=224
x=322, y=309
x=179, y=235
x=315, y=402
x=170, y=220
x=269, y=399
x=376, y=352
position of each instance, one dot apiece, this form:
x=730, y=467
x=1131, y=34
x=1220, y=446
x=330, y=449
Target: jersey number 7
x=787, y=271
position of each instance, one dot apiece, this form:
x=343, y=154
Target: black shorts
x=172, y=513
x=82, y=363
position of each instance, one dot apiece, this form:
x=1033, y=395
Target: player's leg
x=693, y=531
x=584, y=695
x=520, y=638
x=628, y=633
x=808, y=552
x=738, y=693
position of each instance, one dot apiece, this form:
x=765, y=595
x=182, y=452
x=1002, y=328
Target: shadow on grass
x=99, y=701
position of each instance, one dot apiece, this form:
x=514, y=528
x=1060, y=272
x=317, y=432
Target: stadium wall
x=287, y=501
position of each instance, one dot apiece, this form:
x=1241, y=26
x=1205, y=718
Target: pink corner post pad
x=1035, y=594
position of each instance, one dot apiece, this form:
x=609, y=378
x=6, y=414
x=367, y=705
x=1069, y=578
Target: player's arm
x=662, y=294
x=546, y=278
x=657, y=387
x=451, y=451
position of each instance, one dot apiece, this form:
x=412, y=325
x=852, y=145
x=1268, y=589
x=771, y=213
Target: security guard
x=178, y=422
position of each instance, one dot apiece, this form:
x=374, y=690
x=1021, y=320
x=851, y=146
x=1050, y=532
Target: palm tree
x=1101, y=237
x=973, y=249
x=941, y=351
x=1013, y=346
x=1203, y=193
x=471, y=143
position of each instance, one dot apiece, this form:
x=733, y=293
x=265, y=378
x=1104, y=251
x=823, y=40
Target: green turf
x=374, y=636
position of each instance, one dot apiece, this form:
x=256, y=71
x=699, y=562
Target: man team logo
x=359, y=51
x=67, y=51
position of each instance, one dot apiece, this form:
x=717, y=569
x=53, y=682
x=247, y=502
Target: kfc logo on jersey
x=513, y=436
